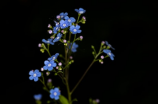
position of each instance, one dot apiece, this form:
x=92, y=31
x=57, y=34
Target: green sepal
x=55, y=74
x=42, y=50
x=92, y=46
x=44, y=88
x=63, y=99
x=38, y=102
x=48, y=101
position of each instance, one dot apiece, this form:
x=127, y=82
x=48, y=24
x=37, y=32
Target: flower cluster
x=59, y=31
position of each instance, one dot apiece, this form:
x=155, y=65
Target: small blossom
x=63, y=15
x=75, y=29
x=97, y=100
x=59, y=35
x=55, y=29
x=64, y=24
x=101, y=62
x=64, y=41
x=103, y=42
x=62, y=31
x=70, y=20
x=37, y=97
x=71, y=57
x=56, y=67
x=81, y=37
x=39, y=45
x=59, y=63
x=84, y=18
x=49, y=41
x=108, y=52
x=80, y=10
x=109, y=45
x=49, y=80
x=53, y=57
x=42, y=69
x=49, y=26
x=58, y=16
x=49, y=65
x=102, y=57
x=47, y=73
x=74, y=46
x=34, y=75
x=55, y=93
x=50, y=31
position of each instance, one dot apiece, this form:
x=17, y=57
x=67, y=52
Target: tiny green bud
x=69, y=62
x=83, y=22
x=60, y=68
x=55, y=74
x=48, y=101
x=42, y=50
x=104, y=47
x=65, y=44
x=100, y=60
x=72, y=61
x=92, y=46
x=93, y=53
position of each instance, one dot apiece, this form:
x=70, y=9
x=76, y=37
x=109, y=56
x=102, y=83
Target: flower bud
x=92, y=46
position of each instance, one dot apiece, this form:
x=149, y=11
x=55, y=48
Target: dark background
x=129, y=27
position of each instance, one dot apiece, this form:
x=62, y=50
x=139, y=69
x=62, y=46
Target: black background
x=129, y=27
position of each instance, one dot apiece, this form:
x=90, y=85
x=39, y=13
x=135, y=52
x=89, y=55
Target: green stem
x=43, y=82
x=82, y=76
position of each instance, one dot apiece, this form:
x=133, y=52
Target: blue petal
x=57, y=97
x=39, y=74
x=76, y=10
x=79, y=31
x=77, y=27
x=31, y=72
x=31, y=77
x=50, y=68
x=56, y=89
x=43, y=40
x=66, y=17
x=36, y=71
x=51, y=96
x=46, y=62
x=35, y=79
x=51, y=91
x=45, y=67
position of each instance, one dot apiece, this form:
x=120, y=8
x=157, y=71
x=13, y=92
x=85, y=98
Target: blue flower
x=108, y=52
x=109, y=45
x=49, y=41
x=74, y=46
x=38, y=97
x=55, y=93
x=34, y=75
x=62, y=15
x=59, y=35
x=53, y=57
x=49, y=65
x=80, y=10
x=75, y=29
x=56, y=28
x=70, y=20
x=64, y=24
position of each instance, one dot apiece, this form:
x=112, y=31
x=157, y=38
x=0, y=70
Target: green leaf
x=63, y=100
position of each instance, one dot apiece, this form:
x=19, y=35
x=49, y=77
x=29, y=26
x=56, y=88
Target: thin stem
x=44, y=83
x=82, y=76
